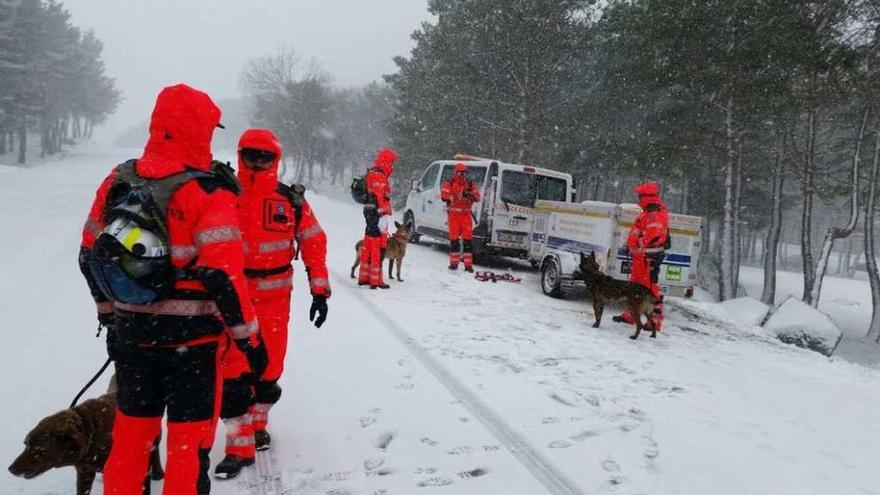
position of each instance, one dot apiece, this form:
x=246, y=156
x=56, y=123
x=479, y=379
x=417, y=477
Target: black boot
x=263, y=439
x=231, y=466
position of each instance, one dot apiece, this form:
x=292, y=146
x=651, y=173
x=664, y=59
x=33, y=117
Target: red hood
x=263, y=180
x=384, y=161
x=181, y=129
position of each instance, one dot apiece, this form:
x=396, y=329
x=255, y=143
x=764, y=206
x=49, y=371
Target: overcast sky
x=149, y=44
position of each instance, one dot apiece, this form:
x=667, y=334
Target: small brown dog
x=78, y=437
x=395, y=251
x=601, y=288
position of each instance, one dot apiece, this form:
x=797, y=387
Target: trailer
x=564, y=230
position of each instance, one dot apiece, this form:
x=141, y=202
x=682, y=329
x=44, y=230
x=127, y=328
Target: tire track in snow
x=539, y=466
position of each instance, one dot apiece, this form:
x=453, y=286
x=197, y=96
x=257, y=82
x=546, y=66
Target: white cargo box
x=564, y=230
x=678, y=273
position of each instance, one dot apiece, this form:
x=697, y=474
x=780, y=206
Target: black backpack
x=131, y=258
x=359, y=189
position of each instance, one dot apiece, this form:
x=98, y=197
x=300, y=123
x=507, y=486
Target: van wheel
x=410, y=221
x=551, y=279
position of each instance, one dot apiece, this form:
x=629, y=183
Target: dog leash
x=91, y=382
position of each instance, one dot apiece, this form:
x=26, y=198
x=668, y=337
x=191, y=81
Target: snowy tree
x=494, y=78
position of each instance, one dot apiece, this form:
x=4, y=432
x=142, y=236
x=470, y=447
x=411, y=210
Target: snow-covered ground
x=444, y=384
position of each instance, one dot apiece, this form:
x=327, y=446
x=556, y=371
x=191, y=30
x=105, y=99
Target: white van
x=504, y=217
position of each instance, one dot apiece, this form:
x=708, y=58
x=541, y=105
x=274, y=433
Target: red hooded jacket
x=454, y=190
x=269, y=224
x=650, y=230
x=202, y=219
x=377, y=181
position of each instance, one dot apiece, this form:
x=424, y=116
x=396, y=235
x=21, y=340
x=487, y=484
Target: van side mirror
x=414, y=185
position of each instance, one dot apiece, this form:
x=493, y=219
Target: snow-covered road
x=393, y=395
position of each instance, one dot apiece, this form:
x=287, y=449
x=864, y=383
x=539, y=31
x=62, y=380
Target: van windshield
x=522, y=189
x=476, y=175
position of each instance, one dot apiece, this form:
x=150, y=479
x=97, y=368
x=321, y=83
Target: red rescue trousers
x=461, y=225
x=188, y=387
x=641, y=274
x=371, y=262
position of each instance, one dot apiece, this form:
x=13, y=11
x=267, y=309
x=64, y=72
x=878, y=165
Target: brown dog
x=78, y=437
x=395, y=251
x=601, y=288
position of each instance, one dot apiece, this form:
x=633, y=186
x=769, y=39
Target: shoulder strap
x=295, y=194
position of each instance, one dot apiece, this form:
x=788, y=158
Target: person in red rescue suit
x=275, y=224
x=647, y=244
x=167, y=353
x=378, y=205
x=460, y=194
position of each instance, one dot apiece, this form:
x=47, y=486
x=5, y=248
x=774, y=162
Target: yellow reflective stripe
x=172, y=307
x=273, y=246
x=319, y=282
x=276, y=283
x=215, y=235
x=310, y=232
x=244, y=331
x=131, y=237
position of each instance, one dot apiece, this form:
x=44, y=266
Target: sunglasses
x=252, y=155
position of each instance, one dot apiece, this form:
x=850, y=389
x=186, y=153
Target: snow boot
x=453, y=267
x=469, y=269
x=383, y=285
x=262, y=439
x=231, y=466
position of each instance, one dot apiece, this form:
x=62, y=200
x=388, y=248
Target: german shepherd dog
x=395, y=251
x=638, y=299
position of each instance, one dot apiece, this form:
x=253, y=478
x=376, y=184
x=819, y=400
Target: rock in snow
x=795, y=322
x=746, y=311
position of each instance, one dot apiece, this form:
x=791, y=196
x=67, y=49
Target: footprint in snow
x=610, y=466
x=373, y=464
x=420, y=470
x=384, y=440
x=405, y=386
x=429, y=441
x=337, y=476
x=366, y=421
x=436, y=481
x=549, y=420
x=559, y=444
x=462, y=449
x=585, y=435
x=491, y=448
x=473, y=473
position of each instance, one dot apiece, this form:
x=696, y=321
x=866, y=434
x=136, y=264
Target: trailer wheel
x=410, y=221
x=551, y=279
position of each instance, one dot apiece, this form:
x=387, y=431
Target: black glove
x=256, y=354
x=106, y=321
x=319, y=307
